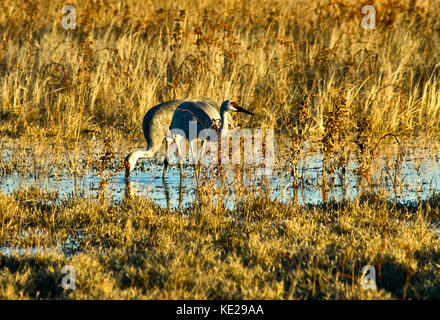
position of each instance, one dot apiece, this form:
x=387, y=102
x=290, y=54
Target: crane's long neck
x=144, y=154
x=132, y=158
x=135, y=155
x=224, y=115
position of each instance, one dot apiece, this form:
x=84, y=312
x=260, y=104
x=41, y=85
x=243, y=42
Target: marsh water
x=413, y=178
x=406, y=177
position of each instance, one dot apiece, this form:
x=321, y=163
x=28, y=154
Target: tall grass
x=73, y=100
x=260, y=250
x=123, y=58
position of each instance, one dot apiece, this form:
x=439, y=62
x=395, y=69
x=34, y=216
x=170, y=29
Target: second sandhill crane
x=155, y=126
x=204, y=118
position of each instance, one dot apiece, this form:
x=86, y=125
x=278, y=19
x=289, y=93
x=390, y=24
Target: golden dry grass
x=260, y=250
x=305, y=68
x=123, y=58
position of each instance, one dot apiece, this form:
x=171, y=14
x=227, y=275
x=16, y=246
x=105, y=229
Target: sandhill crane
x=155, y=126
x=205, y=119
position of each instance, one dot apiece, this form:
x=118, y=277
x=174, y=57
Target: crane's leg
x=180, y=154
x=201, y=156
x=165, y=167
x=165, y=161
x=197, y=170
x=195, y=158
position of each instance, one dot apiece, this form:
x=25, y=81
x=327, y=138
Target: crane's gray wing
x=157, y=121
x=202, y=113
x=211, y=102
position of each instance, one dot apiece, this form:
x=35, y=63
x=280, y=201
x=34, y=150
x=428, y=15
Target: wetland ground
x=356, y=116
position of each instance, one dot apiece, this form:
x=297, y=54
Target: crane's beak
x=240, y=109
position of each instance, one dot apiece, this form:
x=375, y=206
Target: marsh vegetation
x=356, y=116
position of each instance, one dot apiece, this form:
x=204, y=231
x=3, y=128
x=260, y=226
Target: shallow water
x=415, y=179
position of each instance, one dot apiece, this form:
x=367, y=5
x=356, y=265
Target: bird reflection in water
x=131, y=191
x=167, y=193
